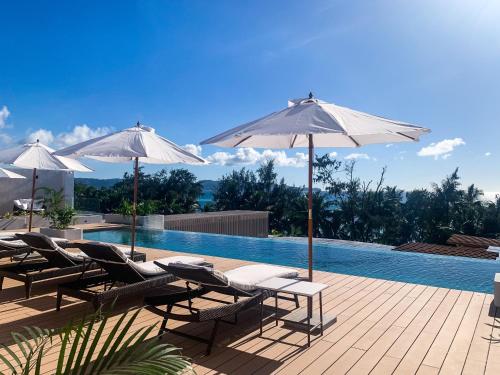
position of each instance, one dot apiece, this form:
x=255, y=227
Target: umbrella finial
x=311, y=95
x=37, y=141
x=138, y=124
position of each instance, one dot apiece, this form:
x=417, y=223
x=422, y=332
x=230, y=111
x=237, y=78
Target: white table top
x=302, y=288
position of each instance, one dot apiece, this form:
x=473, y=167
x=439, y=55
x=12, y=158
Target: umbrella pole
x=310, y=207
x=33, y=184
x=134, y=205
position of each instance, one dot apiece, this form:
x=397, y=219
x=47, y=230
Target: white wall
x=11, y=189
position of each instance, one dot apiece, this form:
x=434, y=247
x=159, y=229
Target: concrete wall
x=11, y=189
x=237, y=223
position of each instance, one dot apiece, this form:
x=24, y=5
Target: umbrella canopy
x=38, y=156
x=4, y=173
x=140, y=144
x=312, y=122
x=330, y=124
x=136, y=142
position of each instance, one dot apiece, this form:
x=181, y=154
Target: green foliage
x=357, y=210
x=164, y=192
x=372, y=212
x=83, y=348
x=260, y=190
x=147, y=207
x=125, y=208
x=348, y=208
x=59, y=214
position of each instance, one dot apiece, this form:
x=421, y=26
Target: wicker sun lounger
x=11, y=248
x=55, y=262
x=206, y=281
x=123, y=278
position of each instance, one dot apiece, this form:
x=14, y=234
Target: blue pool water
x=442, y=271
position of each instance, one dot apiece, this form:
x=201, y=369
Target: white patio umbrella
x=312, y=122
x=139, y=143
x=38, y=156
x=4, y=173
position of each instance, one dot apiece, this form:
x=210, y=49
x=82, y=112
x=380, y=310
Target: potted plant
x=60, y=216
x=146, y=216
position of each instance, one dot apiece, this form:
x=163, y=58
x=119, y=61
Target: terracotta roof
x=462, y=251
x=472, y=241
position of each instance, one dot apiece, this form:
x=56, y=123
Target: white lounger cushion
x=75, y=257
x=14, y=244
x=247, y=277
x=151, y=269
x=79, y=255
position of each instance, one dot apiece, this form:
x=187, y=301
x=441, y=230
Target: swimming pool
x=443, y=271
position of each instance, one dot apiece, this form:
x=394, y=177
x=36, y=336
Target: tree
x=165, y=192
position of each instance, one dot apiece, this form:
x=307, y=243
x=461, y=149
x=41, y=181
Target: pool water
x=443, y=271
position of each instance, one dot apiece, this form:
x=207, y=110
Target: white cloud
x=194, y=149
x=356, y=156
x=250, y=156
x=487, y=154
x=389, y=145
x=442, y=149
x=490, y=195
x=333, y=154
x=5, y=138
x=79, y=133
x=4, y=114
x=43, y=135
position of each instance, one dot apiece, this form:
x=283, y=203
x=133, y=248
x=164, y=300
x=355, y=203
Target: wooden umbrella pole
x=310, y=208
x=33, y=185
x=134, y=205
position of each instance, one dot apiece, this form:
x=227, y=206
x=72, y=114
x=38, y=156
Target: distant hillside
x=209, y=186
x=97, y=182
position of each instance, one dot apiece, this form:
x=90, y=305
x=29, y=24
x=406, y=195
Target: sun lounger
x=123, y=278
x=7, y=237
x=240, y=283
x=11, y=248
x=55, y=262
x=25, y=205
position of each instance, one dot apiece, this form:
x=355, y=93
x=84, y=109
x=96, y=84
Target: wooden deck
x=383, y=327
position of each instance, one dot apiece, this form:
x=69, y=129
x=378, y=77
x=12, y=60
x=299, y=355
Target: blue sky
x=191, y=69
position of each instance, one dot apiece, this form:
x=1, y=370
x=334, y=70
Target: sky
x=70, y=71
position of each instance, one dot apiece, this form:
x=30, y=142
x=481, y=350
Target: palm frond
x=84, y=349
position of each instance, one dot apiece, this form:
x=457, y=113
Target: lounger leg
x=163, y=327
x=212, y=337
x=296, y=301
x=27, y=286
x=1, y=282
x=261, y=313
x=235, y=314
x=59, y=300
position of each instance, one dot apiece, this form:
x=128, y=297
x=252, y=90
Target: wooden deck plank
x=414, y=356
x=457, y=354
x=493, y=361
x=358, y=325
x=366, y=305
x=427, y=300
x=439, y=349
x=383, y=327
x=475, y=362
